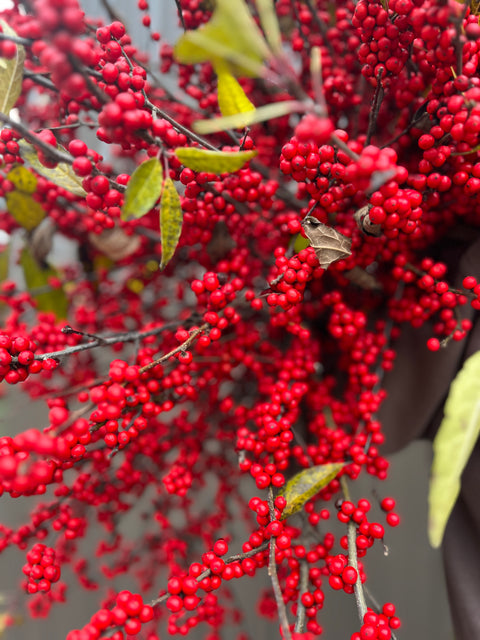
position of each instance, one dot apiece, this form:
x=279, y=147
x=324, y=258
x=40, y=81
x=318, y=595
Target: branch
x=301, y=615
x=129, y=336
x=375, y=108
x=47, y=149
x=352, y=558
x=181, y=347
x=272, y=572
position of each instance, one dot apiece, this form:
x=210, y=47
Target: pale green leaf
x=171, y=218
x=143, y=189
x=230, y=35
x=213, y=161
x=240, y=120
x=231, y=96
x=62, y=175
x=37, y=278
x=26, y=211
x=300, y=243
x=11, y=75
x=270, y=26
x=453, y=446
x=306, y=484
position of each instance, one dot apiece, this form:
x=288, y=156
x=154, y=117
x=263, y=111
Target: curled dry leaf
x=115, y=243
x=364, y=223
x=41, y=239
x=330, y=245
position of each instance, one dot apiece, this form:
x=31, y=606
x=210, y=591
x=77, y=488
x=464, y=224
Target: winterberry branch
x=302, y=588
x=352, y=557
x=98, y=341
x=51, y=152
x=272, y=572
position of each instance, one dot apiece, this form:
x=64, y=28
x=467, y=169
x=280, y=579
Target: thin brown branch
x=272, y=572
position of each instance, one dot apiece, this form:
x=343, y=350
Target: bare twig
x=375, y=108
x=352, y=558
x=301, y=615
x=272, y=572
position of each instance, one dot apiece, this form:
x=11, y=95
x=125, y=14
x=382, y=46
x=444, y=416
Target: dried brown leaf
x=330, y=245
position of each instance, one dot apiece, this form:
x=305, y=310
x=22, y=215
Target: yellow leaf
x=453, y=445
x=213, y=161
x=270, y=26
x=143, y=189
x=23, y=179
x=306, y=484
x=11, y=74
x=26, y=211
x=231, y=96
x=240, y=120
x=171, y=218
x=62, y=175
x=230, y=35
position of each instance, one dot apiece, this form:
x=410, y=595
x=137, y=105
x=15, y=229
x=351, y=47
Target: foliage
x=249, y=250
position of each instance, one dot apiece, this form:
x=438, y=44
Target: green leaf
x=231, y=96
x=230, y=35
x=213, y=161
x=37, y=277
x=453, y=445
x=300, y=243
x=171, y=218
x=306, y=484
x=62, y=175
x=143, y=189
x=11, y=74
x=26, y=211
x=240, y=120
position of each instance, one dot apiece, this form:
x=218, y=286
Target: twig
x=47, y=149
x=352, y=558
x=180, y=14
x=129, y=336
x=301, y=615
x=375, y=108
x=181, y=347
x=272, y=572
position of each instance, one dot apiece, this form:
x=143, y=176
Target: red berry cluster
x=41, y=569
x=378, y=626
x=128, y=615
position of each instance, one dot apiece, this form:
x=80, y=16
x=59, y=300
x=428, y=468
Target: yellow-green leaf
x=143, y=189
x=231, y=96
x=453, y=445
x=37, y=278
x=300, y=243
x=306, y=484
x=171, y=218
x=230, y=35
x=4, y=261
x=11, y=74
x=23, y=179
x=26, y=211
x=240, y=120
x=62, y=175
x=213, y=161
